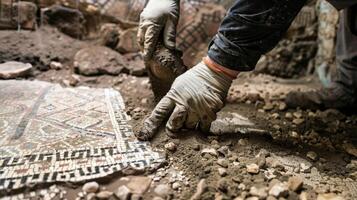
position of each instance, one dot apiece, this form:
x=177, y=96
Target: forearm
x=250, y=29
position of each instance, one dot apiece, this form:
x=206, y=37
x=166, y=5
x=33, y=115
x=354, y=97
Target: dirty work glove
x=159, y=16
x=193, y=101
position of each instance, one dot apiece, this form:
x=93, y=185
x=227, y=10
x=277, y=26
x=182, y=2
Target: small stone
x=56, y=65
x=90, y=187
x=222, y=162
x=252, y=198
x=297, y=114
x=305, y=167
x=260, y=192
x=123, y=193
x=104, y=194
x=282, y=106
x=170, y=146
x=201, y=188
x=139, y=184
x=279, y=190
x=298, y=121
x=312, y=155
x=222, y=171
x=210, y=151
x=288, y=115
x=268, y=107
x=242, y=142
x=90, y=196
x=253, y=168
x=163, y=190
x=329, y=196
x=275, y=115
x=136, y=197
x=223, y=151
x=294, y=134
x=295, y=183
x=74, y=80
x=176, y=185
x=196, y=147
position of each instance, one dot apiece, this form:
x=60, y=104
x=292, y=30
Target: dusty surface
x=317, y=146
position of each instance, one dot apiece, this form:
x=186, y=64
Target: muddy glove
x=159, y=16
x=192, y=102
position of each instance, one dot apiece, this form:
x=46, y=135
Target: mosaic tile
x=50, y=134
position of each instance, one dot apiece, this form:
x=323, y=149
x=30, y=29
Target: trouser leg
x=346, y=50
x=250, y=29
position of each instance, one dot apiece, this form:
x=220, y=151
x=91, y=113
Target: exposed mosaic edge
x=77, y=164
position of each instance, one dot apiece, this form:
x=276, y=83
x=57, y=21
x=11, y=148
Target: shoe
x=334, y=97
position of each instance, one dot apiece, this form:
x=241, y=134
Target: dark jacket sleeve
x=341, y=4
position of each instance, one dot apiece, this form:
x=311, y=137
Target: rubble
x=295, y=183
x=67, y=20
x=98, y=60
x=253, y=168
x=123, y=193
x=11, y=70
x=90, y=187
x=139, y=184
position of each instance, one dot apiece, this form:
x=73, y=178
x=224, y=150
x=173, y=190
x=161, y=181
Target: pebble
x=104, y=195
x=260, y=192
x=90, y=187
x=176, y=185
x=223, y=151
x=279, y=190
x=163, y=190
x=222, y=185
x=158, y=198
x=56, y=65
x=288, y=115
x=222, y=171
x=136, y=197
x=210, y=151
x=295, y=183
x=298, y=121
x=170, y=146
x=222, y=162
x=312, y=155
x=275, y=115
x=90, y=196
x=282, y=106
x=268, y=107
x=123, y=193
x=242, y=142
x=252, y=168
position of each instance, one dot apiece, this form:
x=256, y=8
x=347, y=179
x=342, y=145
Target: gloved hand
x=158, y=16
x=193, y=101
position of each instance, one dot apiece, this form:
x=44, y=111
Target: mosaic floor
x=50, y=134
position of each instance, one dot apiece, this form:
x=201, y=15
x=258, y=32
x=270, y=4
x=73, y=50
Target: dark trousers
x=253, y=27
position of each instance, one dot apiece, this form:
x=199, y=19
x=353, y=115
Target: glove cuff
x=219, y=69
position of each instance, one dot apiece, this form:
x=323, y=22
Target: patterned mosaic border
x=79, y=164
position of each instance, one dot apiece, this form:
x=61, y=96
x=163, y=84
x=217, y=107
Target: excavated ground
x=317, y=146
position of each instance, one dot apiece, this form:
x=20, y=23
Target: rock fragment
x=103, y=195
x=123, y=193
x=223, y=162
x=312, y=155
x=260, y=192
x=279, y=190
x=90, y=187
x=163, y=190
x=252, y=168
x=329, y=196
x=210, y=151
x=56, y=65
x=295, y=183
x=222, y=171
x=139, y=184
x=170, y=146
x=12, y=69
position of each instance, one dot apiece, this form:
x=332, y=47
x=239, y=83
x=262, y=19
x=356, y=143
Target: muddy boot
x=333, y=97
